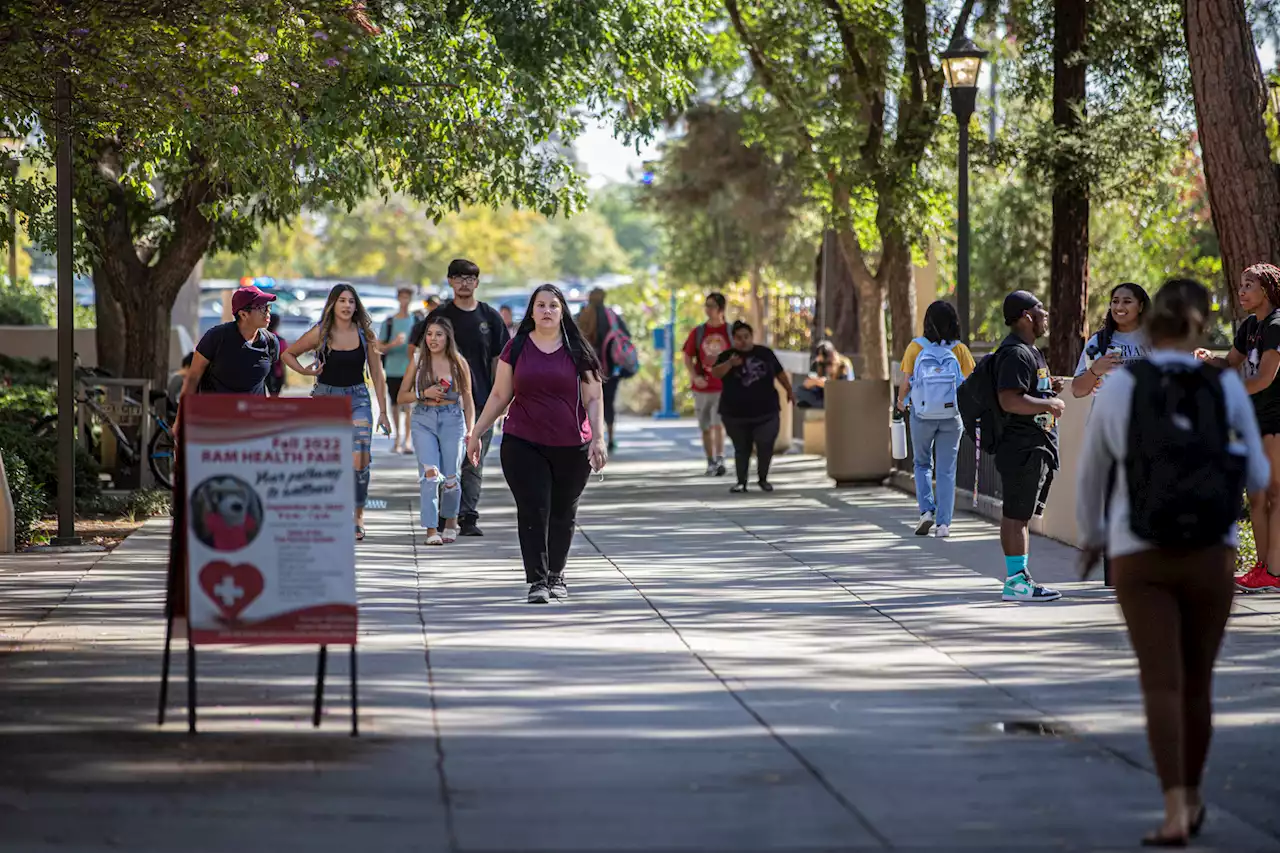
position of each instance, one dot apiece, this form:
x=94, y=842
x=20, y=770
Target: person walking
x=933, y=367
x=1171, y=446
x=554, y=436
x=442, y=419
x=1256, y=351
x=395, y=363
x=749, y=403
x=1027, y=456
x=345, y=345
x=1120, y=341
x=701, y=351
x=595, y=320
x=480, y=335
x=508, y=319
x=235, y=357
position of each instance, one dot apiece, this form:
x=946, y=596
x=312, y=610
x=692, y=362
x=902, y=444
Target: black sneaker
x=558, y=589
x=720, y=469
x=538, y=593
x=739, y=488
x=765, y=486
x=470, y=530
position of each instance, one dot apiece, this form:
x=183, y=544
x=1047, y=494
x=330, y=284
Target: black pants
x=546, y=483
x=760, y=432
x=610, y=403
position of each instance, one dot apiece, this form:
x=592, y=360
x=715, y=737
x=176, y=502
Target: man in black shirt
x=481, y=334
x=236, y=357
x=1028, y=453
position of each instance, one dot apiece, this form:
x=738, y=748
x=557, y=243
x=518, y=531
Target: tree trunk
x=1069, y=262
x=758, y=316
x=110, y=324
x=837, y=312
x=1231, y=101
x=897, y=277
x=138, y=348
x=870, y=293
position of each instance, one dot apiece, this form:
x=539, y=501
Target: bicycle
x=160, y=450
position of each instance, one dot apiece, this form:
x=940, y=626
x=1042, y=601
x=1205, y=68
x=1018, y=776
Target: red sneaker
x=1252, y=570
x=1259, y=581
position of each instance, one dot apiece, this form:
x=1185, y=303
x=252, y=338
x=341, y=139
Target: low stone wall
x=41, y=342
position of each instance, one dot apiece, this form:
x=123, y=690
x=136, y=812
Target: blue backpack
x=934, y=381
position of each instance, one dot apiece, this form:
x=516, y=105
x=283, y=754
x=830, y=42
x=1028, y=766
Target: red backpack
x=618, y=349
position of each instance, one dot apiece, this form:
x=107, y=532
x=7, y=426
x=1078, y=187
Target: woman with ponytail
x=1170, y=446
x=1256, y=352
x=554, y=434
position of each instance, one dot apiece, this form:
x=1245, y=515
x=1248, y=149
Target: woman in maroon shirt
x=553, y=436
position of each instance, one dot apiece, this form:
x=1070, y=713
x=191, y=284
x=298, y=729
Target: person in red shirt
x=701, y=349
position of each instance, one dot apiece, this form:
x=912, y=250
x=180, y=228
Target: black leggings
x=746, y=432
x=546, y=483
x=610, y=403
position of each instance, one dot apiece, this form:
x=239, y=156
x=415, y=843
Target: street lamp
x=961, y=63
x=13, y=145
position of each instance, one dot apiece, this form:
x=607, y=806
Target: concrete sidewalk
x=783, y=672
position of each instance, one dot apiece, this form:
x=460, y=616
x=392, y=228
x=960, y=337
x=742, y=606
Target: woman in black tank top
x=344, y=344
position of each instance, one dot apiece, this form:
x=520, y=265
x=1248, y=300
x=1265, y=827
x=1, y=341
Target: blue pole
x=669, y=366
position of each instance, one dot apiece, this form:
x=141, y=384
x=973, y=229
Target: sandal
x=1197, y=823
x=359, y=533
x=435, y=539
x=450, y=534
x=738, y=489
x=1158, y=840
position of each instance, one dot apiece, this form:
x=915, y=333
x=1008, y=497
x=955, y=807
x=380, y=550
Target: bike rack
x=126, y=402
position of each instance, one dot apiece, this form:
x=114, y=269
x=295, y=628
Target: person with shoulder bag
x=1172, y=444
x=934, y=366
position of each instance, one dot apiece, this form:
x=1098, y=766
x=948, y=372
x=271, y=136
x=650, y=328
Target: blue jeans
x=438, y=433
x=362, y=427
x=943, y=437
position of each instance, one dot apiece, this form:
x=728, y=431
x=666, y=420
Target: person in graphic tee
x=481, y=334
x=1028, y=453
x=235, y=357
x=1120, y=341
x=701, y=351
x=749, y=403
x=554, y=436
x=1256, y=353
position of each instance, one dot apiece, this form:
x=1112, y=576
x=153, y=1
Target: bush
x=28, y=498
x=41, y=457
x=23, y=305
x=138, y=505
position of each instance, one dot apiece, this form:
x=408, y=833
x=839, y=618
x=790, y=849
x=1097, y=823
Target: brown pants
x=1176, y=606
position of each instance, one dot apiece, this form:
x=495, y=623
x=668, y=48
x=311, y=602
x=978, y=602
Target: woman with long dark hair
x=595, y=320
x=749, y=403
x=1120, y=341
x=933, y=367
x=440, y=385
x=1175, y=599
x=1257, y=351
x=345, y=344
x=554, y=434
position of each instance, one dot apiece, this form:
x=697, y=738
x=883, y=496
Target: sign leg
x=164, y=667
x=355, y=696
x=315, y=714
x=191, y=687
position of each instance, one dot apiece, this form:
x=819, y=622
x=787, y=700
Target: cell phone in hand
x=384, y=429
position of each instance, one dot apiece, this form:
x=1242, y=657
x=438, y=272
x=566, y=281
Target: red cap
x=246, y=298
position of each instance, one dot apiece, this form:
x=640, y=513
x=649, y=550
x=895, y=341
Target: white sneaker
x=942, y=531
x=449, y=534
x=1022, y=588
x=925, y=525
x=711, y=468
x=435, y=539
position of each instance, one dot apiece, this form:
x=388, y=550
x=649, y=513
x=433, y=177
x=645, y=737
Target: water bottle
x=898, y=435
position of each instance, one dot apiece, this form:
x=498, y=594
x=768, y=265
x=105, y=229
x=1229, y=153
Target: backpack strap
x=699, y=335
x=517, y=345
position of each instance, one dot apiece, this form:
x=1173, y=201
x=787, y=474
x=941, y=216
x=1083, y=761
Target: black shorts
x=1025, y=479
x=393, y=388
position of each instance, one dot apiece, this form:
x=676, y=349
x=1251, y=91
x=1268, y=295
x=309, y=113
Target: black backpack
x=1185, y=485
x=978, y=399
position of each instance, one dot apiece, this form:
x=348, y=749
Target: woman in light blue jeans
x=440, y=424
x=936, y=441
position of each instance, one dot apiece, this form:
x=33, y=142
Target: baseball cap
x=246, y=298
x=1018, y=303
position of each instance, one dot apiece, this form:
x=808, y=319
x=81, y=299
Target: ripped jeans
x=439, y=434
x=361, y=425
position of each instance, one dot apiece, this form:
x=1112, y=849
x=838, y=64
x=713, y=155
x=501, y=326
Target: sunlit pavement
x=786, y=672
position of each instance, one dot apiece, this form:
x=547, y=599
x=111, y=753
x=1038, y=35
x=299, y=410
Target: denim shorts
x=361, y=411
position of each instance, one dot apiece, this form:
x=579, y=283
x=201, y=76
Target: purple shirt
x=547, y=407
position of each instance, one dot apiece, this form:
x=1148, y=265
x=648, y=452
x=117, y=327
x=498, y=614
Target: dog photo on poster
x=270, y=508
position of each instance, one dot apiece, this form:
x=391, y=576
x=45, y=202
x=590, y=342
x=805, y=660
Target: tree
x=584, y=247
x=201, y=122
x=1231, y=100
x=855, y=95
x=634, y=227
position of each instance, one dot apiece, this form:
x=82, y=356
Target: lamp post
x=961, y=63
x=13, y=145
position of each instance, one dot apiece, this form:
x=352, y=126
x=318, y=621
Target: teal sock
x=1013, y=565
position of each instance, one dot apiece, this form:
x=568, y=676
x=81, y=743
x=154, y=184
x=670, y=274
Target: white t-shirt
x=1132, y=346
